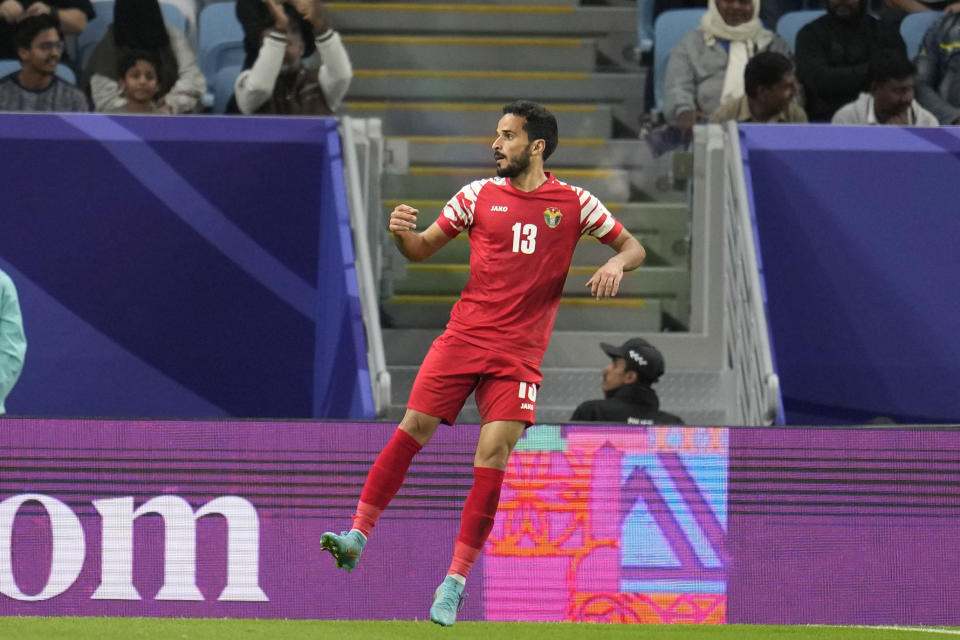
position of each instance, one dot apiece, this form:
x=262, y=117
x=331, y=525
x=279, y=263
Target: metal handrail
x=353, y=132
x=749, y=339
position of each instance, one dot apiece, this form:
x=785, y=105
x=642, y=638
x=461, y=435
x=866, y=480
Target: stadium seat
x=223, y=87
x=87, y=40
x=644, y=25
x=669, y=27
x=913, y=28
x=220, y=41
x=63, y=71
x=791, y=22
x=188, y=9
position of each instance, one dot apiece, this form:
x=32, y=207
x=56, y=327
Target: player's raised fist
x=403, y=218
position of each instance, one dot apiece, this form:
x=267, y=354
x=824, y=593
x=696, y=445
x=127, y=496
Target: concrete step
x=567, y=350
x=431, y=278
x=436, y=182
x=417, y=118
x=697, y=397
x=453, y=84
x=375, y=51
x=571, y=152
x=499, y=19
x=637, y=314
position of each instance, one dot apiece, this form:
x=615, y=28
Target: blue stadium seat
x=669, y=27
x=97, y=28
x=791, y=22
x=63, y=71
x=913, y=28
x=220, y=42
x=223, y=87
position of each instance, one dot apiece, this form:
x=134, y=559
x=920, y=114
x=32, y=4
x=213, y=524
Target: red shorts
x=506, y=387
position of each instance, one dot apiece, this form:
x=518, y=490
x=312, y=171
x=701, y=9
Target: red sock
x=384, y=479
x=478, y=513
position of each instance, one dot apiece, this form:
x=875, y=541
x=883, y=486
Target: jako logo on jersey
x=502, y=208
x=552, y=215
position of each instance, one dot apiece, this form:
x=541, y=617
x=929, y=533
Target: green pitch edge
x=208, y=629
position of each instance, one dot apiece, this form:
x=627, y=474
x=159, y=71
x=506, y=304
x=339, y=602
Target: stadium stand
x=790, y=24
x=669, y=27
x=223, y=86
x=913, y=28
x=219, y=43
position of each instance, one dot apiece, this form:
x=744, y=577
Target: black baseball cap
x=640, y=355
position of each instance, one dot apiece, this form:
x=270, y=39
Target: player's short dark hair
x=131, y=58
x=29, y=28
x=891, y=65
x=765, y=69
x=539, y=123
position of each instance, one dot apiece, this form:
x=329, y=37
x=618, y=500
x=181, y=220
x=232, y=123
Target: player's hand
x=11, y=10
x=952, y=8
x=280, y=20
x=403, y=219
x=605, y=283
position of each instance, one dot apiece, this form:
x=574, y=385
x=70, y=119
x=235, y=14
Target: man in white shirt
x=278, y=82
x=891, y=97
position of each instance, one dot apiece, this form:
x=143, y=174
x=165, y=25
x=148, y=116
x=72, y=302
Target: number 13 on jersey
x=524, y=238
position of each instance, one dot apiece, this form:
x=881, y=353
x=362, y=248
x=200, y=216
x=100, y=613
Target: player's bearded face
x=516, y=165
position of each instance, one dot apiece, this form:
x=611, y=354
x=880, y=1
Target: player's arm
x=630, y=254
x=415, y=246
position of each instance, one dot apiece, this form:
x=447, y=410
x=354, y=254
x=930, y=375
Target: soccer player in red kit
x=524, y=226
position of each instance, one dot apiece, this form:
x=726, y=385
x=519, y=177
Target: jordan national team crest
x=552, y=215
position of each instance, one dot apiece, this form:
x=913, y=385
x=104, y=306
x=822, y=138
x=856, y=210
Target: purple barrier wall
x=175, y=271
x=613, y=524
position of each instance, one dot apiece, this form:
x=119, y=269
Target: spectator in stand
x=278, y=82
x=891, y=96
x=36, y=87
x=707, y=65
x=627, y=381
x=834, y=53
x=255, y=17
x=71, y=14
x=13, y=344
x=938, y=72
x=138, y=25
x=770, y=89
x=139, y=81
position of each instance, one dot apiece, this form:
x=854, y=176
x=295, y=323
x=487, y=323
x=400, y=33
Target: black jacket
x=833, y=60
x=629, y=404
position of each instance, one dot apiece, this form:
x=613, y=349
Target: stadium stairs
x=437, y=74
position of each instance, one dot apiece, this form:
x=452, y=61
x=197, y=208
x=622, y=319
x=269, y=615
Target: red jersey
x=521, y=246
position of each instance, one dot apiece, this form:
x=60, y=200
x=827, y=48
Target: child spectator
x=139, y=81
x=138, y=25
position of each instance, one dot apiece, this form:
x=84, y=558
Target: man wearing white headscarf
x=706, y=67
